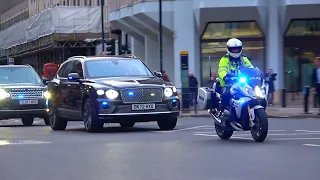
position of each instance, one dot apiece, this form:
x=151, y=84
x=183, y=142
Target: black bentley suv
x=22, y=94
x=116, y=89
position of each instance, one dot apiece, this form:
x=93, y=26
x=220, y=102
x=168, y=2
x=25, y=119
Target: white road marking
x=196, y=127
x=211, y=135
x=284, y=139
x=241, y=138
x=313, y=145
x=204, y=132
x=11, y=142
x=277, y=130
x=293, y=134
x=307, y=131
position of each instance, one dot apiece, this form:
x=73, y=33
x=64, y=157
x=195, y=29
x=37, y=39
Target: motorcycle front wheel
x=259, y=131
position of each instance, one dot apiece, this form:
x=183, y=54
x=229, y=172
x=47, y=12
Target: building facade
x=278, y=34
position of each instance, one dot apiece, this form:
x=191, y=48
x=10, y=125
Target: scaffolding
x=47, y=36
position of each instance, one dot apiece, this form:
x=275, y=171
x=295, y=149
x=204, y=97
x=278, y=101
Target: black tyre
x=223, y=132
x=27, y=121
x=46, y=121
x=167, y=124
x=127, y=124
x=56, y=122
x=260, y=130
x=90, y=118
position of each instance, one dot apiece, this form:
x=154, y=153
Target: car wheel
x=46, y=121
x=127, y=124
x=167, y=124
x=27, y=121
x=55, y=121
x=90, y=119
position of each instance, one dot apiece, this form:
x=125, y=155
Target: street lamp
x=102, y=23
x=160, y=34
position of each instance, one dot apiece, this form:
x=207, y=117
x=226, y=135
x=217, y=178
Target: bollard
x=195, y=103
x=284, y=98
x=306, y=99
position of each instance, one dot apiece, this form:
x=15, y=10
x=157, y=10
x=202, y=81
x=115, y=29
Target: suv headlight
x=168, y=92
x=47, y=95
x=112, y=94
x=4, y=94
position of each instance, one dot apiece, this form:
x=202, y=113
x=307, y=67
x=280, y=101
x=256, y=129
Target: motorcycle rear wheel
x=259, y=131
x=223, y=132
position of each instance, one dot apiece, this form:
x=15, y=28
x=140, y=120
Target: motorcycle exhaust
x=216, y=119
x=236, y=126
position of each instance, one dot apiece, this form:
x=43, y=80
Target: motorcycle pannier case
x=207, y=98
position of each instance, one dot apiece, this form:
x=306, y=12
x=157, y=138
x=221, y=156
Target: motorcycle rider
x=230, y=63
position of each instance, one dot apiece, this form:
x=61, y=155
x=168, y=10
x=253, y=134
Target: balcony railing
x=114, y=5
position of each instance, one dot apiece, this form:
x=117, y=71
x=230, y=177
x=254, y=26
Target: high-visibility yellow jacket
x=226, y=66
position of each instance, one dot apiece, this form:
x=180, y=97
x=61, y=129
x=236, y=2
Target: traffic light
x=111, y=47
x=125, y=49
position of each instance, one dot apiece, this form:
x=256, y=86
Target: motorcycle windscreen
x=253, y=75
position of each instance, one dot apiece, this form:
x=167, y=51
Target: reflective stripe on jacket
x=226, y=67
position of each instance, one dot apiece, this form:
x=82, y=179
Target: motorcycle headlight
x=4, y=94
x=112, y=94
x=259, y=92
x=168, y=92
x=47, y=95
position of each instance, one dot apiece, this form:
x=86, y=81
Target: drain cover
x=12, y=142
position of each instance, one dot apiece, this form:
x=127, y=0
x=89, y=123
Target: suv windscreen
x=116, y=68
x=19, y=75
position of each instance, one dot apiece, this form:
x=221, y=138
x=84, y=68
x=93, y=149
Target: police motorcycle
x=247, y=105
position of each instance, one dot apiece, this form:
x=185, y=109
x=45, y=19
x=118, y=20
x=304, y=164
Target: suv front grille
x=141, y=95
x=26, y=94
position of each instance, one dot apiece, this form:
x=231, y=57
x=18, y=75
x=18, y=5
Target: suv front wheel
x=56, y=122
x=91, y=121
x=167, y=124
x=27, y=121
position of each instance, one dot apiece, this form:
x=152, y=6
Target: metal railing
x=114, y=5
x=191, y=94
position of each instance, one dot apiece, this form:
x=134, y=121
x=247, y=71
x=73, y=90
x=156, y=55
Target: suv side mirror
x=45, y=81
x=158, y=74
x=73, y=77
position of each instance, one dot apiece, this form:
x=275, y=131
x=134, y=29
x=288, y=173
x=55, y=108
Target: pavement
x=191, y=151
x=273, y=112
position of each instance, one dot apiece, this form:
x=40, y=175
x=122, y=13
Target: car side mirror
x=73, y=77
x=158, y=74
x=45, y=81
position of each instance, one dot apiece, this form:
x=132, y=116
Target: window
x=67, y=69
x=232, y=29
x=61, y=69
x=304, y=27
x=116, y=68
x=15, y=75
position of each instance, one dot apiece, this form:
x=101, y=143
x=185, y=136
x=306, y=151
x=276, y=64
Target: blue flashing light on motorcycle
x=242, y=79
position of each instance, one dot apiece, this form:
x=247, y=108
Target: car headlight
x=4, y=94
x=174, y=89
x=259, y=92
x=112, y=94
x=100, y=92
x=168, y=92
x=47, y=95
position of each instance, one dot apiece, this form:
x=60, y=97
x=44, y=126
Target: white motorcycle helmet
x=234, y=47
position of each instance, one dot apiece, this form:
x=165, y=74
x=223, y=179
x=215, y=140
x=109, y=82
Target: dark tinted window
x=116, y=68
x=13, y=75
